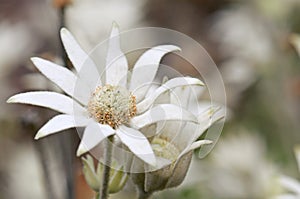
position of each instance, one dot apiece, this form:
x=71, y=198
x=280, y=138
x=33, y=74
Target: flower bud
x=169, y=176
x=93, y=177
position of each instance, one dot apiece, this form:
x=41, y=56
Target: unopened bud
x=93, y=177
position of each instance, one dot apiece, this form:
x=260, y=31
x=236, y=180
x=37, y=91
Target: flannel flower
x=173, y=146
x=107, y=102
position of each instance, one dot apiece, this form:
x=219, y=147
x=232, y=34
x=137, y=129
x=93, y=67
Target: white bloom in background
x=242, y=33
x=113, y=105
x=14, y=39
x=292, y=186
x=87, y=19
x=15, y=47
x=244, y=42
x=238, y=168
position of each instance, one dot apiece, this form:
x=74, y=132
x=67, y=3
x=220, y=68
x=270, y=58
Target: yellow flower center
x=112, y=105
x=165, y=149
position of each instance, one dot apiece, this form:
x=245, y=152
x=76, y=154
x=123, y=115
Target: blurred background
x=249, y=40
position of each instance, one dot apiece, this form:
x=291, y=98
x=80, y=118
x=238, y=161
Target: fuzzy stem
x=106, y=171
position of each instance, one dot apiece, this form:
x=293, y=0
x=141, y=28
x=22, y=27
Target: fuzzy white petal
x=76, y=54
x=116, y=62
x=173, y=83
x=59, y=75
x=162, y=112
x=84, y=65
x=59, y=123
x=94, y=133
x=137, y=143
x=148, y=64
x=52, y=100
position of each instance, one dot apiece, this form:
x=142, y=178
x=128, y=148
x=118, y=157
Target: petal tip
x=80, y=151
x=114, y=30
x=173, y=48
x=207, y=142
x=177, y=48
x=35, y=60
x=38, y=135
x=10, y=100
x=115, y=24
x=63, y=30
x=201, y=83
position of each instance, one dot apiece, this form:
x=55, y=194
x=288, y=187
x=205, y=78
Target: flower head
x=107, y=102
x=174, y=145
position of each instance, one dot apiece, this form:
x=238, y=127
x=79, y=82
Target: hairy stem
x=107, y=163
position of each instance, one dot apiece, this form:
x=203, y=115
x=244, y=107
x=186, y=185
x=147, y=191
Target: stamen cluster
x=112, y=105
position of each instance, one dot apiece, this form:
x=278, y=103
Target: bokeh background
x=249, y=40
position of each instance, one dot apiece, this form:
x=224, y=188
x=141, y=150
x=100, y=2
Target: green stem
x=107, y=163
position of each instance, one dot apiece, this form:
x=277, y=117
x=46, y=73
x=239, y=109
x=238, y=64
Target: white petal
x=84, y=65
x=116, y=62
x=198, y=107
x=173, y=83
x=76, y=54
x=187, y=133
x=52, y=100
x=59, y=75
x=59, y=123
x=207, y=118
x=137, y=143
x=181, y=96
x=184, y=96
x=146, y=67
x=195, y=145
x=93, y=134
x=290, y=184
x=162, y=112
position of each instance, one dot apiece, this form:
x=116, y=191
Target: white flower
x=115, y=105
x=238, y=168
x=87, y=19
x=174, y=145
